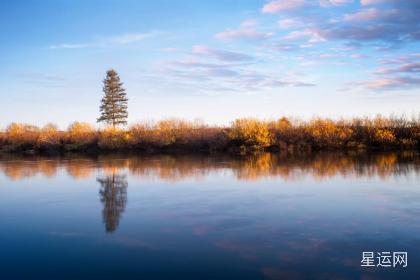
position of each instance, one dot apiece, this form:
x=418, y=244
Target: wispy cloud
x=370, y=14
x=289, y=23
x=247, y=31
x=402, y=74
x=123, y=39
x=332, y=3
x=223, y=55
x=405, y=68
x=283, y=5
x=229, y=76
x=373, y=2
x=242, y=34
x=391, y=83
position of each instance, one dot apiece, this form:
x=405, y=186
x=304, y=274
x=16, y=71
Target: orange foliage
x=243, y=134
x=22, y=135
x=251, y=132
x=81, y=133
x=327, y=133
x=384, y=136
x=49, y=136
x=113, y=138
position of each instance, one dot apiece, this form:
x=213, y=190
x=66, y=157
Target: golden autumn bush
x=172, y=131
x=177, y=134
x=113, y=138
x=80, y=133
x=251, y=133
x=143, y=135
x=49, y=136
x=384, y=136
x=327, y=133
x=22, y=135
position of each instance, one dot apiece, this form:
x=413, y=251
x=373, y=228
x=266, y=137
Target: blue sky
x=211, y=60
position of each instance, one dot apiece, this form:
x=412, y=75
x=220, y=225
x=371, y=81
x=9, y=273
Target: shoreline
x=241, y=137
x=204, y=153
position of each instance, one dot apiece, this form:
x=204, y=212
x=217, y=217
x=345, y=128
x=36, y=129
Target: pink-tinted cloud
x=372, y=2
x=406, y=68
x=391, y=83
x=277, y=6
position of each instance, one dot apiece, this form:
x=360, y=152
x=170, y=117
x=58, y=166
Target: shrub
x=49, y=137
x=251, y=133
x=143, y=135
x=81, y=134
x=173, y=131
x=289, y=135
x=384, y=136
x=327, y=133
x=113, y=138
x=2, y=138
x=22, y=136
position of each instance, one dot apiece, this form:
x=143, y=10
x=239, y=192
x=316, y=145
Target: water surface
x=266, y=216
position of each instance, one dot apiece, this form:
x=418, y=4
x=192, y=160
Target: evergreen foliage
x=114, y=103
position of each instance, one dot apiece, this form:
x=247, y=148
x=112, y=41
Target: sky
x=209, y=60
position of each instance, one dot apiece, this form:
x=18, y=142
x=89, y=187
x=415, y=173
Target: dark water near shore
x=208, y=217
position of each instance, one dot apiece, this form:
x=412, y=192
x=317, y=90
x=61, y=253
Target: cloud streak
x=403, y=74
x=110, y=41
x=391, y=83
x=242, y=34
x=228, y=76
x=223, y=55
x=278, y=6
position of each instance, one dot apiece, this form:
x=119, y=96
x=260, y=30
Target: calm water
x=185, y=217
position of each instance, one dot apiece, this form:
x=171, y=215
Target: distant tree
x=114, y=103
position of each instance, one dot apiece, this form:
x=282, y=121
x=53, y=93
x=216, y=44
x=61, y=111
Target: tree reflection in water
x=113, y=194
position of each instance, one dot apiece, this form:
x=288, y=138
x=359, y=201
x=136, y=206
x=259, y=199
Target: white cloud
x=307, y=34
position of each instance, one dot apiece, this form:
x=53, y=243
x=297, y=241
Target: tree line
x=243, y=135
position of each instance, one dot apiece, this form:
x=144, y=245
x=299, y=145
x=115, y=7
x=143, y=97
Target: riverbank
x=242, y=136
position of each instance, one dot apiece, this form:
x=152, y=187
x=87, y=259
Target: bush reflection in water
x=253, y=167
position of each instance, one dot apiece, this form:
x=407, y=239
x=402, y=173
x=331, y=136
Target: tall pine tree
x=114, y=103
